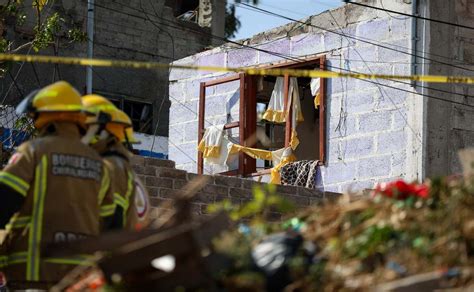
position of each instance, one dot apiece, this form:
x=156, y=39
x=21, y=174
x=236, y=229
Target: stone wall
x=373, y=132
x=163, y=181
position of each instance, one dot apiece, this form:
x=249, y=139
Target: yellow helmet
x=131, y=136
x=116, y=121
x=56, y=102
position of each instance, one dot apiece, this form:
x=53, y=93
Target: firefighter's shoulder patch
x=15, y=158
x=141, y=201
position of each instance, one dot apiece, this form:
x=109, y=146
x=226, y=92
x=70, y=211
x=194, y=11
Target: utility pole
x=90, y=43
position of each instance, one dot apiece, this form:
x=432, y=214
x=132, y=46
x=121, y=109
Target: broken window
x=139, y=112
x=270, y=109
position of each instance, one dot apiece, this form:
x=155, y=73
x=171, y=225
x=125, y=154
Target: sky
x=255, y=22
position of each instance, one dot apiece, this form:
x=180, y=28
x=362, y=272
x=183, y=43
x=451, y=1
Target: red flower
x=401, y=190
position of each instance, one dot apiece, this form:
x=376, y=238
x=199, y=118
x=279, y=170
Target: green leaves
x=45, y=34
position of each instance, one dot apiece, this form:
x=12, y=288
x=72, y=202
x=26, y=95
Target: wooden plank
x=322, y=113
x=222, y=80
x=138, y=254
x=231, y=125
x=294, y=64
x=201, y=125
x=250, y=164
x=288, y=110
x=242, y=124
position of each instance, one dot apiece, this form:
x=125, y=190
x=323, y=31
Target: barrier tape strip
x=250, y=71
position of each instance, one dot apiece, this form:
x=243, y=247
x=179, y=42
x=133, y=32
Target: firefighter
x=54, y=189
x=111, y=134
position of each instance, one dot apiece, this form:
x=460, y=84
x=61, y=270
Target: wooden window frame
x=247, y=123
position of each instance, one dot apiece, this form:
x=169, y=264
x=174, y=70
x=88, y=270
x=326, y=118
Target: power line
x=410, y=15
x=291, y=58
x=353, y=37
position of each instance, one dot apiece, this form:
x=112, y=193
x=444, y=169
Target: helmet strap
x=90, y=134
x=127, y=142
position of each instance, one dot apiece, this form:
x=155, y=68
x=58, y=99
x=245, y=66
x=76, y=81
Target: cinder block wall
x=373, y=130
x=163, y=181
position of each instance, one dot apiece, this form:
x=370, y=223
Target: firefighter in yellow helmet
x=54, y=189
x=110, y=133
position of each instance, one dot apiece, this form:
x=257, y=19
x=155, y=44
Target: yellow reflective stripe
x=107, y=210
x=104, y=185
x=119, y=200
x=19, y=222
x=105, y=107
x=77, y=260
x=34, y=242
x=14, y=182
x=127, y=196
x=14, y=258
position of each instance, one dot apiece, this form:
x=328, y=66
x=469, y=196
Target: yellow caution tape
x=250, y=71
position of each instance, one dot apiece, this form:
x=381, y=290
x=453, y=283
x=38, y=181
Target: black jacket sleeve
x=10, y=203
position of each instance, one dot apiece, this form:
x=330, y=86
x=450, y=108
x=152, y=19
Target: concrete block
x=357, y=186
x=216, y=60
x=191, y=90
x=378, y=121
x=391, y=142
x=361, y=101
x=401, y=69
x=339, y=172
x=183, y=153
x=359, y=55
x=400, y=119
x=357, y=147
x=342, y=126
x=227, y=87
x=176, y=134
x=374, y=167
x=190, y=131
x=307, y=44
x=176, y=90
x=391, y=97
x=340, y=39
x=183, y=111
x=144, y=170
x=334, y=152
x=340, y=85
x=397, y=51
x=215, y=105
x=399, y=161
x=280, y=47
x=240, y=193
x=241, y=57
x=374, y=30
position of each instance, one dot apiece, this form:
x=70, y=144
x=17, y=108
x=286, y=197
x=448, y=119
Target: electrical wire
x=353, y=37
x=410, y=15
x=291, y=58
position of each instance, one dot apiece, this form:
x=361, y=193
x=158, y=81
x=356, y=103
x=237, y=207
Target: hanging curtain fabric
x=315, y=85
x=276, y=107
x=210, y=144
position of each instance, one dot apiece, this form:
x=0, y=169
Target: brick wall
x=372, y=129
x=163, y=181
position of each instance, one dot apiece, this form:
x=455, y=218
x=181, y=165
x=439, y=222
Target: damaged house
x=358, y=132
x=355, y=132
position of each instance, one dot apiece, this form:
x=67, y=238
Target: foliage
x=365, y=240
x=45, y=33
x=264, y=201
x=232, y=22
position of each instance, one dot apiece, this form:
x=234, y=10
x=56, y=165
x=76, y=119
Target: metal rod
x=90, y=43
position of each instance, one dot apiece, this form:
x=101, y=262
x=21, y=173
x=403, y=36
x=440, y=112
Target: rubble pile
x=360, y=241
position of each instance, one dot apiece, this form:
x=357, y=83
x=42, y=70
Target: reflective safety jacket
x=65, y=189
x=130, y=195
